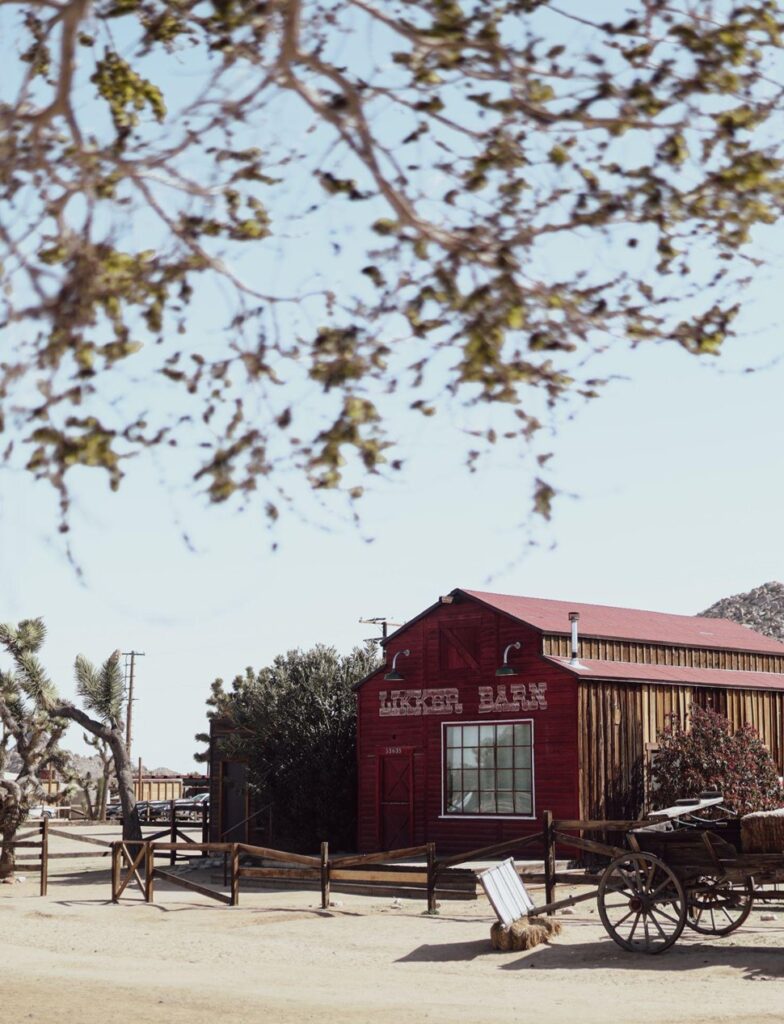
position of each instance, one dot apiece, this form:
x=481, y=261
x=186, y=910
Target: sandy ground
x=74, y=957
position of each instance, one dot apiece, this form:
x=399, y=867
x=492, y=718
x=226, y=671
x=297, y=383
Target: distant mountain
x=83, y=764
x=761, y=608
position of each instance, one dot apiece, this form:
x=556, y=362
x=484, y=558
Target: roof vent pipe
x=574, y=618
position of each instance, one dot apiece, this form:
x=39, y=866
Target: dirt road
x=74, y=957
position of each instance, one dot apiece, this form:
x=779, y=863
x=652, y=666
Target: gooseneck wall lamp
x=393, y=676
x=505, y=668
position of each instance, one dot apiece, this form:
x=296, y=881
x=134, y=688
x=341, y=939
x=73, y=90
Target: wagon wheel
x=641, y=903
x=717, y=906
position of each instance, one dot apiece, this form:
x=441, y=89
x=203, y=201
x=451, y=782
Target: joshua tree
x=29, y=697
x=34, y=730
x=104, y=753
x=94, y=786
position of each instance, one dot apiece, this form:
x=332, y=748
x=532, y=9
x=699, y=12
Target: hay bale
x=763, y=831
x=525, y=933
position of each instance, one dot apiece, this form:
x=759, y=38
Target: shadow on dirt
x=754, y=963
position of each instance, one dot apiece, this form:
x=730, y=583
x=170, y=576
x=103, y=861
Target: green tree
x=295, y=728
x=710, y=755
x=502, y=187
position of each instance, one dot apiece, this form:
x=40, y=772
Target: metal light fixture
x=393, y=676
x=506, y=669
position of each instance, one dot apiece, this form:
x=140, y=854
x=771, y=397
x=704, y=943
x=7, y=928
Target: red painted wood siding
x=435, y=663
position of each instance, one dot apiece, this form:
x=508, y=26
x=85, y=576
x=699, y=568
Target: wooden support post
x=44, y=856
x=205, y=827
x=325, y=876
x=149, y=872
x=173, y=833
x=235, y=874
x=431, y=878
x=549, y=856
x=116, y=853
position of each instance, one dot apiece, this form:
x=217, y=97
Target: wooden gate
x=395, y=798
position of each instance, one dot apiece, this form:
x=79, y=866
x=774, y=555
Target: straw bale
x=763, y=831
x=525, y=933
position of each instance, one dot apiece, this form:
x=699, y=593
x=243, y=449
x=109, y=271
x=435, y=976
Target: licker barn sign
x=446, y=700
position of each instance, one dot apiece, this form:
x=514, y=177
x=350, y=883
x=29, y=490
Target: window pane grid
x=489, y=769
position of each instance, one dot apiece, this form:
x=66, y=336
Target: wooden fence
x=135, y=862
x=40, y=863
x=37, y=839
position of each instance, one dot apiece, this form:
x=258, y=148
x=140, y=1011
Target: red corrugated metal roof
x=589, y=669
x=630, y=623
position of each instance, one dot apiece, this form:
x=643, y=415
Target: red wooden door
x=395, y=789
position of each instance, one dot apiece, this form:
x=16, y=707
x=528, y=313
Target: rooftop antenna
x=385, y=623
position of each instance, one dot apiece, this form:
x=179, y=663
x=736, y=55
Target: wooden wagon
x=684, y=866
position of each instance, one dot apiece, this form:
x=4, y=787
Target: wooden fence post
x=549, y=856
x=149, y=872
x=431, y=878
x=235, y=874
x=325, y=872
x=116, y=847
x=44, y=855
x=173, y=832
x=205, y=827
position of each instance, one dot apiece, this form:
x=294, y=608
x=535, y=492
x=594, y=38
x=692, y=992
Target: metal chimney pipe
x=574, y=618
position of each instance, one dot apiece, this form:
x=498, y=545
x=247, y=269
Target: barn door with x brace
x=395, y=797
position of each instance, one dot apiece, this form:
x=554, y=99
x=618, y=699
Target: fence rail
x=133, y=863
x=43, y=830
x=128, y=858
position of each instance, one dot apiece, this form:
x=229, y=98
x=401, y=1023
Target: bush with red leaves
x=710, y=754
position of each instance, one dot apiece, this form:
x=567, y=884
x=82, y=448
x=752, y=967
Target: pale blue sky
x=678, y=492
x=675, y=494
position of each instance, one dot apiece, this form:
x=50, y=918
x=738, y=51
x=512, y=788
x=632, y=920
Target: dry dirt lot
x=74, y=957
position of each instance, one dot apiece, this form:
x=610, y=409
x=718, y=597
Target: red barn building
x=484, y=716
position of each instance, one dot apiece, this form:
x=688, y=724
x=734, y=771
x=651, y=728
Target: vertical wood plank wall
x=619, y=720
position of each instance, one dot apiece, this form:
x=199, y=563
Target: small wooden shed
x=491, y=708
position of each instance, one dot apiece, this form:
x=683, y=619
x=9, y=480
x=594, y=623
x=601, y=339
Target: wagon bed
x=678, y=869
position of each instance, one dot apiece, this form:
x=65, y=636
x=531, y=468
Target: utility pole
x=130, y=665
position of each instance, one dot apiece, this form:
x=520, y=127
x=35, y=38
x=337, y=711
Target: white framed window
x=488, y=769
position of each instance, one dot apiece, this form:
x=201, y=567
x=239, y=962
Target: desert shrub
x=710, y=754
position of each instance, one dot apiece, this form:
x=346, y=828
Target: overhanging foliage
x=393, y=206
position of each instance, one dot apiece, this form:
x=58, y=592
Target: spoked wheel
x=641, y=903
x=717, y=906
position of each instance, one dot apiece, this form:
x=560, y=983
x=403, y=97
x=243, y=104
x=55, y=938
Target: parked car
x=114, y=810
x=40, y=812
x=193, y=806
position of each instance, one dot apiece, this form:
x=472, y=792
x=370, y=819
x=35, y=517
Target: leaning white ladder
x=508, y=896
